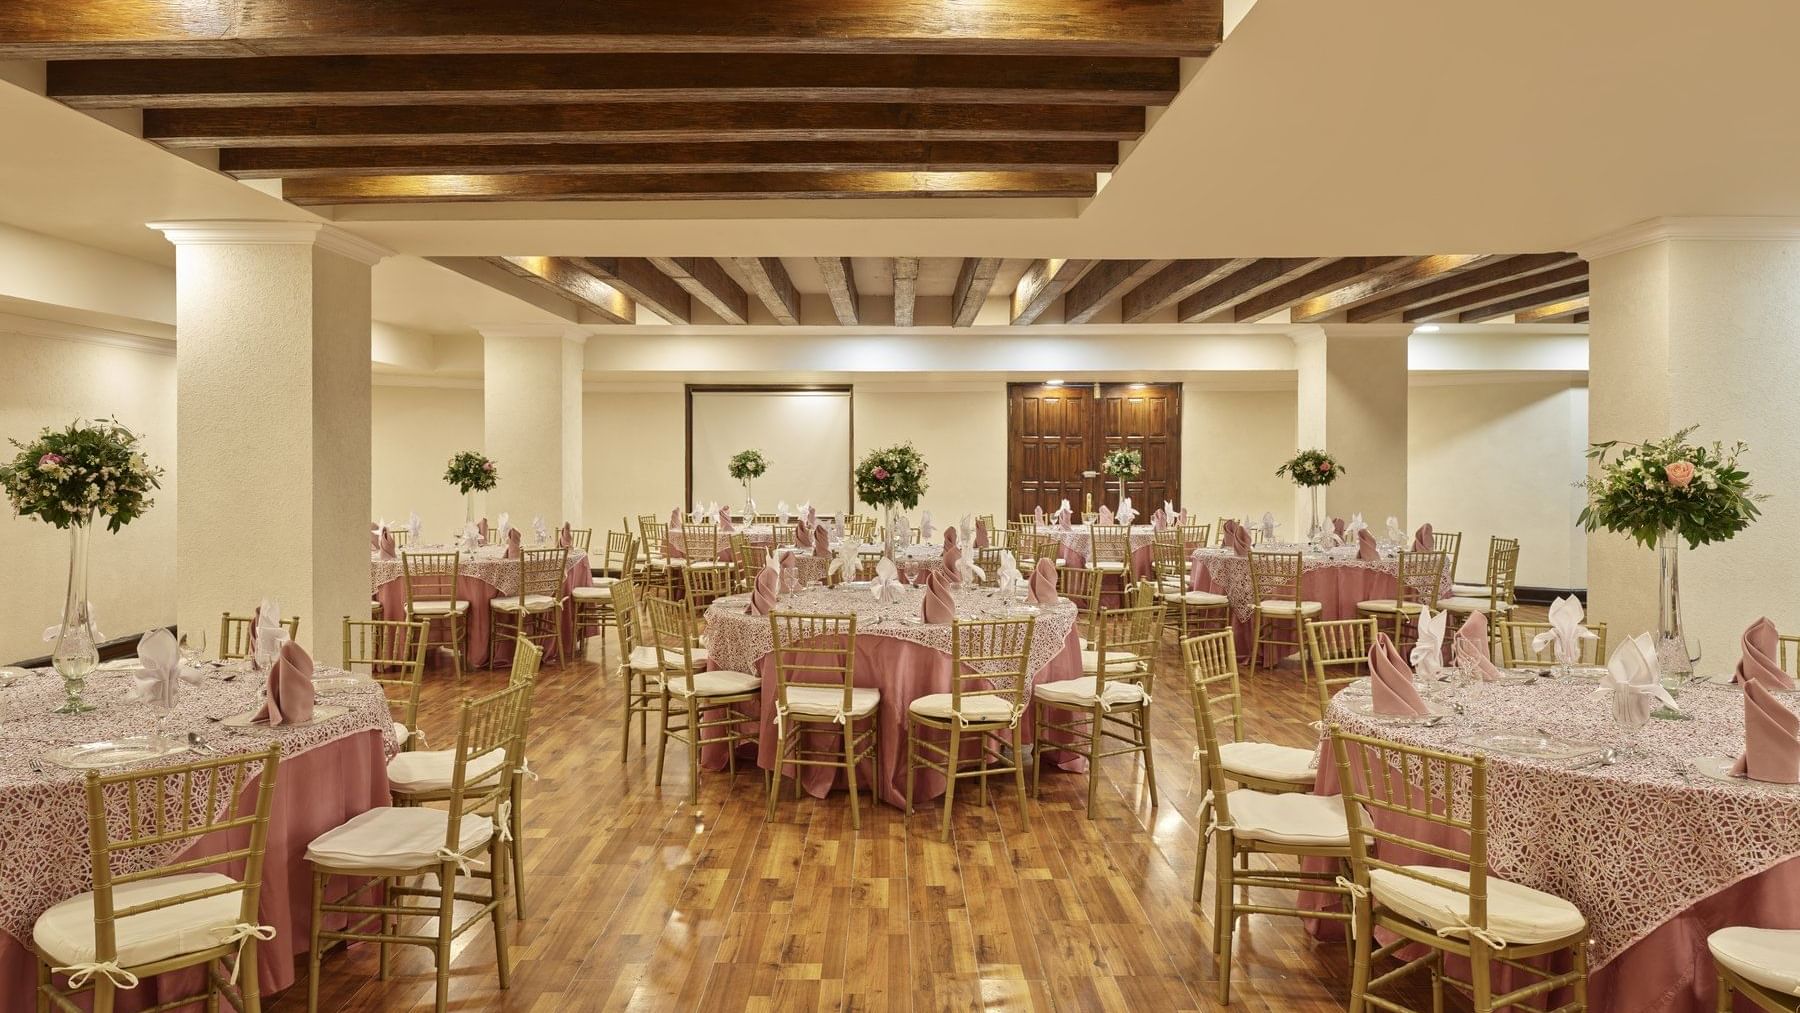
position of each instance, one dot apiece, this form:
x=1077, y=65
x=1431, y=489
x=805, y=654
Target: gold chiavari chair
x=434, y=596
x=1219, y=531
x=708, y=700
x=866, y=562
x=395, y=655
x=816, y=693
x=1497, y=598
x=612, y=568
x=988, y=672
x=1762, y=965
x=640, y=667
x=1262, y=817
x=1789, y=653
x=701, y=546
x=1194, y=536
x=1418, y=577
x=987, y=522
x=1458, y=908
x=1083, y=588
x=770, y=519
x=703, y=585
x=1111, y=702
x=1186, y=612
x=593, y=603
x=1111, y=550
x=535, y=613
x=387, y=853
x=1211, y=662
x=1516, y=650
x=861, y=527
x=656, y=560
x=1022, y=537
x=134, y=925
x=234, y=635
x=580, y=538
x=988, y=561
x=401, y=537
x=1450, y=544
x=1339, y=649
x=1275, y=587
x=1496, y=545
x=1090, y=517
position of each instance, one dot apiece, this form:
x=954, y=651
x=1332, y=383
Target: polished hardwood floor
x=638, y=901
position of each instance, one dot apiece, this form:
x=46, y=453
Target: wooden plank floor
x=638, y=901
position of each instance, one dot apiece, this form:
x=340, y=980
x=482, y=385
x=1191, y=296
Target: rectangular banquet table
x=485, y=575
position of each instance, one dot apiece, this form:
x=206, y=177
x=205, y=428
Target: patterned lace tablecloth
x=1632, y=843
x=759, y=534
x=487, y=564
x=736, y=640
x=44, y=856
x=1080, y=537
x=1232, y=571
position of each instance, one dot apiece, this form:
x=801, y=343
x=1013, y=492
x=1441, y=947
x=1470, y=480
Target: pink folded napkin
x=565, y=537
x=1391, y=681
x=1062, y=521
x=766, y=591
x=1182, y=518
x=802, y=533
x=1157, y=523
x=290, y=699
x=481, y=529
x=374, y=539
x=1196, y=570
x=821, y=540
x=1422, y=541
x=1338, y=526
x=1238, y=537
x=811, y=516
x=1106, y=516
x=790, y=567
x=981, y=533
x=384, y=546
x=514, y=550
x=725, y=519
x=1365, y=546
x=1760, y=662
x=950, y=537
x=1043, y=581
x=1471, y=647
x=1038, y=515
x=1771, y=738
x=939, y=607
x=952, y=557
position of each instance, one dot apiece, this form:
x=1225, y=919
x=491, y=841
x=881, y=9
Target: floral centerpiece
x=747, y=466
x=892, y=478
x=66, y=478
x=471, y=472
x=1312, y=470
x=1122, y=464
x=1660, y=494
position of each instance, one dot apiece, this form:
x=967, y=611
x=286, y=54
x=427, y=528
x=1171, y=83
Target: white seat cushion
x=1461, y=604
x=604, y=581
x=826, y=701
x=1516, y=914
x=1115, y=661
x=1471, y=590
x=1197, y=598
x=530, y=603
x=397, y=837
x=1109, y=566
x=643, y=658
x=437, y=608
x=1296, y=817
x=432, y=770
x=591, y=593
x=1768, y=957
x=1268, y=761
x=1080, y=692
x=65, y=933
x=1388, y=605
x=401, y=732
x=723, y=683
x=985, y=707
x=1287, y=608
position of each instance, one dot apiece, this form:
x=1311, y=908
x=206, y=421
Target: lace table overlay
x=1232, y=571
x=759, y=534
x=1631, y=843
x=1080, y=538
x=736, y=640
x=487, y=564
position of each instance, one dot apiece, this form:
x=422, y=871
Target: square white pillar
x=531, y=397
x=1351, y=401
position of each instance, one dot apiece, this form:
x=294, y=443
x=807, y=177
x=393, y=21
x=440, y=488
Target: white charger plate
x=113, y=752
x=1719, y=769
x=321, y=712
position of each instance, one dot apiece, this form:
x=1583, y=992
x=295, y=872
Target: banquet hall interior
x=1085, y=505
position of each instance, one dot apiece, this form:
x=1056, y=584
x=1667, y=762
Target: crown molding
x=60, y=330
x=567, y=332
x=1657, y=230
x=239, y=232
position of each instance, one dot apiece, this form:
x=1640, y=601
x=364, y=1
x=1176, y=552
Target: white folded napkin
x=1633, y=680
x=537, y=526
x=161, y=681
x=1126, y=511
x=1428, y=655
x=267, y=636
x=1566, y=632
x=471, y=537
x=54, y=630
x=781, y=512
x=1328, y=538
x=1011, y=580
x=505, y=526
x=1269, y=525
x=1169, y=511
x=414, y=527
x=902, y=533
x=926, y=527
x=381, y=526
x=699, y=514
x=886, y=586
x=965, y=532
x=1064, y=509
x=968, y=572
x=847, y=558
x=1356, y=524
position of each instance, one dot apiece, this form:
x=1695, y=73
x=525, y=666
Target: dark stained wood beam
x=113, y=29
x=1579, y=318
x=695, y=186
x=561, y=276
x=301, y=126
x=1468, y=280
x=513, y=79
x=640, y=279
x=1527, y=301
x=1408, y=276
x=1104, y=284
x=906, y=289
x=663, y=157
x=973, y=283
x=1246, y=283
x=1557, y=312
x=1332, y=275
x=1502, y=291
x=1173, y=284
x=770, y=281
x=840, y=285
x=1042, y=284
x=705, y=280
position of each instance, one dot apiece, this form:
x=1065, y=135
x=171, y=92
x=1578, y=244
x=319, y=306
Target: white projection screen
x=804, y=434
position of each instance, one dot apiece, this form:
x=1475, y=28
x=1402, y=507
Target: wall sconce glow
x=1053, y=383
x=1137, y=386
x=1426, y=329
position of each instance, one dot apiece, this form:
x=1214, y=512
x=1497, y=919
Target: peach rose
x=1680, y=473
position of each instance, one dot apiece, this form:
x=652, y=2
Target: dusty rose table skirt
x=315, y=791
x=479, y=594
x=1336, y=588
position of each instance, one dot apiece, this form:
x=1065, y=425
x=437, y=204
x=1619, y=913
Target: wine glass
x=193, y=647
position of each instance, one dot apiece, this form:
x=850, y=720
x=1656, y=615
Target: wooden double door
x=1057, y=436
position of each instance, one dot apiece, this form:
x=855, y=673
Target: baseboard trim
x=1546, y=595
x=117, y=647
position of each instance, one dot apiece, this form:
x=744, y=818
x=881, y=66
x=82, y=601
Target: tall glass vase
x=1316, y=529
x=469, y=506
x=1671, y=644
x=76, y=655
x=893, y=532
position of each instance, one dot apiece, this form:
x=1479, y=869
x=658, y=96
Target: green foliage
x=1311, y=468
x=1644, y=489
x=470, y=469
x=747, y=464
x=1122, y=463
x=66, y=476
x=893, y=476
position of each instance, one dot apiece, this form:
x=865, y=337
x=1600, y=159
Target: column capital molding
x=1307, y=333
x=240, y=232
x=1657, y=230
x=562, y=331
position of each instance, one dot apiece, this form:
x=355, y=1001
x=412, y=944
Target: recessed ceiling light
x=1137, y=386
x=1053, y=383
x=1426, y=329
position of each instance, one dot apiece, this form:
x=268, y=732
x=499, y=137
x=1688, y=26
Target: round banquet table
x=485, y=574
x=1335, y=578
x=1078, y=544
x=1654, y=853
x=330, y=772
x=903, y=657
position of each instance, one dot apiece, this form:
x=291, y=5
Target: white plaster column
x=272, y=423
x=1697, y=322
x=1352, y=402
x=531, y=393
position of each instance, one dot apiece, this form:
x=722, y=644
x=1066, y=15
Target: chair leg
x=775, y=778
x=693, y=744
x=1037, y=751
x=446, y=923
x=1019, y=779
x=1479, y=977
x=43, y=980
x=950, y=784
x=1581, y=969
x=1204, y=818
x=390, y=925
x=630, y=699
x=850, y=773
x=497, y=884
x=662, y=738
x=249, y=989
x=1149, y=756
x=1224, y=915
x=1256, y=622
x=1364, y=931
x=516, y=848
x=1722, y=1006
x=1094, y=735
x=313, y=954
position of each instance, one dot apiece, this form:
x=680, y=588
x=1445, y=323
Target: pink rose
x=1324, y=465
x=880, y=473
x=49, y=461
x=1680, y=473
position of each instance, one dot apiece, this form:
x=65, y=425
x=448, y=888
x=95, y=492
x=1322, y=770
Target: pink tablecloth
x=480, y=594
x=1336, y=584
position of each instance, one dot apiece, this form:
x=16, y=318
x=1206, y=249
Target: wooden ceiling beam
x=704, y=279
x=560, y=275
x=1527, y=301
x=114, y=29
x=643, y=282
x=1557, y=312
x=906, y=289
x=840, y=285
x=1501, y=291
x=693, y=186
x=1106, y=283
x=1042, y=284
x=514, y=79
x=1579, y=318
x=316, y=126
x=1172, y=284
x=1474, y=277
x=1406, y=277
x=1247, y=283
x=973, y=283
x=1332, y=275
x=770, y=281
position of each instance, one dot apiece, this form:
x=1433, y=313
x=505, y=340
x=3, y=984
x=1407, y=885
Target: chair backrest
x=145, y=811
x=618, y=544
x=654, y=533
x=542, y=571
x=1502, y=568
x=988, y=560
x=234, y=635
x=1169, y=562
x=863, y=528
x=486, y=724
x=1193, y=536
x=1339, y=649
x=581, y=538
x=1081, y=587
x=1112, y=544
x=395, y=655
x=527, y=658
x=1422, y=786
x=703, y=585
x=1516, y=650
x=401, y=536
x=988, y=658
x=670, y=632
x=700, y=542
x=1419, y=577
x=1275, y=576
x=1211, y=663
x=1126, y=633
x=866, y=562
x=626, y=616
x=1789, y=653
x=1140, y=594
x=431, y=576
x=813, y=650
x=1450, y=544
x=1219, y=530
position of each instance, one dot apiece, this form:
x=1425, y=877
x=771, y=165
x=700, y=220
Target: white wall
x=1231, y=443
x=415, y=430
x=961, y=431
x=636, y=449
x=50, y=382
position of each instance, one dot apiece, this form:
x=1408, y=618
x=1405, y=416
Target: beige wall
x=636, y=454
x=1231, y=442
x=415, y=431
x=50, y=382
x=961, y=431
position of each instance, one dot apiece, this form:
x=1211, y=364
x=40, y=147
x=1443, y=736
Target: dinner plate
x=321, y=712
x=120, y=664
x=1719, y=769
x=340, y=683
x=11, y=674
x=1530, y=742
x=1366, y=708
x=113, y=752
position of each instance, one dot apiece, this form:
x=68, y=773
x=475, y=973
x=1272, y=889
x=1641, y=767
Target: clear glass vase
x=1671, y=643
x=893, y=532
x=76, y=654
x=1316, y=529
x=469, y=506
